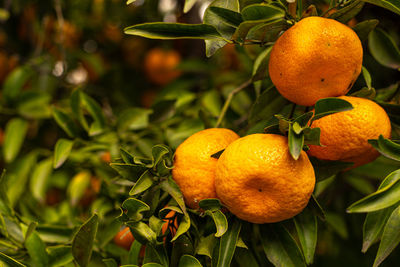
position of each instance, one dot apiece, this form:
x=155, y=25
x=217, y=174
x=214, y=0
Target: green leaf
x=365, y=27
x=212, y=204
x=330, y=105
x=228, y=16
x=142, y=233
x=134, y=252
x=387, y=195
x=269, y=103
x=184, y=226
x=182, y=246
x=75, y=103
x=133, y=119
x=65, y=122
x=77, y=187
x=260, y=66
x=262, y=12
x=172, y=188
x=227, y=244
x=161, y=30
x=348, y=12
x=82, y=243
x=338, y=224
x=14, y=136
x=133, y=209
x=131, y=172
x=220, y=221
x=226, y=31
x=267, y=31
x=279, y=246
x=367, y=77
x=245, y=257
x=110, y=263
x=386, y=147
x=34, y=105
x=37, y=250
x=312, y=136
x=143, y=183
x=15, y=81
x=326, y=168
x=296, y=142
x=392, y=5
x=40, y=177
x=206, y=245
x=189, y=261
x=390, y=237
x=10, y=261
x=306, y=226
x=188, y=5
x=62, y=150
x=60, y=255
x=373, y=226
x=95, y=111
x=384, y=49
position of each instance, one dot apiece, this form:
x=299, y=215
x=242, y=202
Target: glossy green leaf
x=384, y=49
x=365, y=27
x=14, y=136
x=161, y=30
x=390, y=237
x=306, y=227
x=312, y=136
x=65, y=122
x=62, y=150
x=386, y=147
x=212, y=204
x=220, y=221
x=95, y=111
x=387, y=195
x=280, y=247
x=10, y=261
x=348, y=12
x=206, y=245
x=267, y=32
x=262, y=12
x=184, y=226
x=296, y=142
x=330, y=105
x=392, y=5
x=82, y=243
x=373, y=226
x=133, y=209
x=131, y=172
x=189, y=261
x=39, y=179
x=172, y=188
x=228, y=16
x=15, y=81
x=227, y=244
x=142, y=184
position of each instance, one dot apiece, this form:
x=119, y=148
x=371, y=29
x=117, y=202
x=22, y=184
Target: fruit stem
x=292, y=8
x=229, y=100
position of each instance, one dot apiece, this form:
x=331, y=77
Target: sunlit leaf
x=62, y=150
x=14, y=136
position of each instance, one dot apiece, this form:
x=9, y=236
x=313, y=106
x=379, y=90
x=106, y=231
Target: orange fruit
x=194, y=168
x=171, y=223
x=160, y=65
x=314, y=59
x=106, y=157
x=258, y=180
x=124, y=238
x=344, y=135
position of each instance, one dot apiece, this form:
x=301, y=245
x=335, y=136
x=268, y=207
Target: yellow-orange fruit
x=314, y=59
x=161, y=65
x=194, y=168
x=259, y=181
x=344, y=135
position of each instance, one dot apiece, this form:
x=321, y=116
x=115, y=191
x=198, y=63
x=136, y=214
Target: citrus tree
x=276, y=145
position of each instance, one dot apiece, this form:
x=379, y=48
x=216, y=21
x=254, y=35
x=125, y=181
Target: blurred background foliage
x=74, y=83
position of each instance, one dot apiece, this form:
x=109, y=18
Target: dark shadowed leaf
x=280, y=247
x=82, y=243
x=133, y=119
x=10, y=261
x=189, y=261
x=228, y=16
x=129, y=171
x=65, y=122
x=261, y=12
x=390, y=237
x=364, y=28
x=60, y=255
x=348, y=12
x=330, y=105
x=384, y=49
x=133, y=209
x=392, y=5
x=326, y=168
x=386, y=147
x=260, y=67
x=161, y=30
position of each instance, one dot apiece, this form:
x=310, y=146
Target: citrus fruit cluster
x=255, y=177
